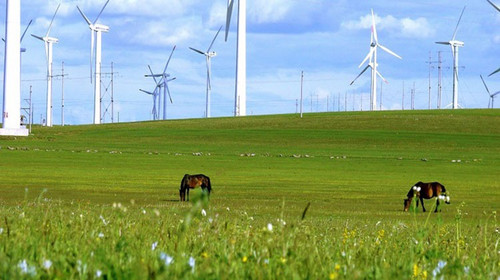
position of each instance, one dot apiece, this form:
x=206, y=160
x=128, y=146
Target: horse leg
x=422, y=202
x=437, y=205
x=188, y=193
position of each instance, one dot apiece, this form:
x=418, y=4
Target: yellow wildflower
x=244, y=259
x=333, y=275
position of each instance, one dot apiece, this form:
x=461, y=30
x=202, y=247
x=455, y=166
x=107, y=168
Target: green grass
x=354, y=169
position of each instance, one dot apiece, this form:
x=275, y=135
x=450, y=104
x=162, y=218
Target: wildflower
x=1, y=230
x=98, y=273
x=244, y=259
x=415, y=270
x=100, y=235
x=103, y=220
x=166, y=258
x=283, y=260
x=154, y=245
x=143, y=211
x=266, y=261
x=333, y=275
x=337, y=267
x=203, y=212
x=157, y=213
x=26, y=269
x=204, y=255
x=192, y=263
x=437, y=270
x=270, y=227
x=227, y=208
x=47, y=264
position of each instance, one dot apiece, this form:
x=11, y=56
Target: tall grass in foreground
x=52, y=239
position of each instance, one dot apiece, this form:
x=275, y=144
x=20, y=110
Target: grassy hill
x=102, y=201
x=329, y=157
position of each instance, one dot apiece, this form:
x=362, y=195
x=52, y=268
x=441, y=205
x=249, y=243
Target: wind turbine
x=454, y=50
x=498, y=9
x=11, y=114
x=372, y=57
x=163, y=83
x=48, y=41
x=240, y=107
x=492, y=96
x=22, y=36
x=155, y=95
x=208, y=55
x=96, y=28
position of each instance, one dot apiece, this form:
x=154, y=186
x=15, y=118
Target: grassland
x=102, y=201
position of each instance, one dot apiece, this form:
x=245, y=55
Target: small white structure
x=11, y=114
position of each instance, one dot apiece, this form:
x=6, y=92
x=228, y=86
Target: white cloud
x=405, y=27
x=264, y=11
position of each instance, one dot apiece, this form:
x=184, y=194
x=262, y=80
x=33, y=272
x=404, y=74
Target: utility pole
x=29, y=110
x=108, y=90
x=62, y=94
x=430, y=62
x=301, y=92
x=439, y=80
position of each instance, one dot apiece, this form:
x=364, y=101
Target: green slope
x=335, y=159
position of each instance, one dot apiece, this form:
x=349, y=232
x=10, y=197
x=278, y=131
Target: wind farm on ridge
x=336, y=99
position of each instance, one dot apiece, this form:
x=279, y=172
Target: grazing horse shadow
x=426, y=190
x=193, y=181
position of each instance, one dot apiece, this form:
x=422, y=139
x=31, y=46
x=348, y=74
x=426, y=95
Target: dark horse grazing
x=193, y=181
x=427, y=191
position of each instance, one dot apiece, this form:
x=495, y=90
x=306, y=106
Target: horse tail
x=183, y=182
x=209, y=185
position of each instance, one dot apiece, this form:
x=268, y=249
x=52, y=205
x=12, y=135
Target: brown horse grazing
x=427, y=191
x=193, y=181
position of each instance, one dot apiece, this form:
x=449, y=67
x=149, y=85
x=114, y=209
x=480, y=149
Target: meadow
x=316, y=197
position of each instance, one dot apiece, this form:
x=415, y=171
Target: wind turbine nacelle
x=100, y=27
x=457, y=43
x=50, y=39
x=23, y=49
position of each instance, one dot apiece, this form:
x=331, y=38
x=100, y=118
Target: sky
x=325, y=39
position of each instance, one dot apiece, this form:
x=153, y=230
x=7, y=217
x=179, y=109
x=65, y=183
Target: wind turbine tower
x=11, y=114
x=208, y=55
x=372, y=57
x=48, y=41
x=455, y=44
x=498, y=9
x=240, y=107
x=96, y=28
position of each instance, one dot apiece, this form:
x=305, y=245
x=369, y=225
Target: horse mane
x=410, y=192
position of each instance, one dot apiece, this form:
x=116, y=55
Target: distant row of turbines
x=12, y=100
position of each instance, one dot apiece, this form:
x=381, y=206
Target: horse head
x=407, y=203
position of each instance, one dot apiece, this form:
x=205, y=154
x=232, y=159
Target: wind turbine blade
x=83, y=15
x=145, y=91
x=101, y=11
x=364, y=70
x=168, y=61
x=494, y=6
x=380, y=75
x=24, y=33
x=389, y=51
x=374, y=28
x=198, y=51
x=38, y=37
x=494, y=72
x=168, y=91
x=228, y=16
x=153, y=75
x=487, y=89
x=443, y=43
x=456, y=28
x=369, y=55
x=209, y=48
x=52, y=21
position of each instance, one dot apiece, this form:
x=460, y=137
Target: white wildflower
x=166, y=258
x=227, y=208
x=98, y=273
x=203, y=212
x=154, y=245
x=103, y=220
x=270, y=227
x=100, y=235
x=143, y=211
x=1, y=230
x=192, y=263
x=47, y=264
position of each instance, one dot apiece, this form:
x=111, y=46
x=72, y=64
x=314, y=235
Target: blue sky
x=325, y=39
